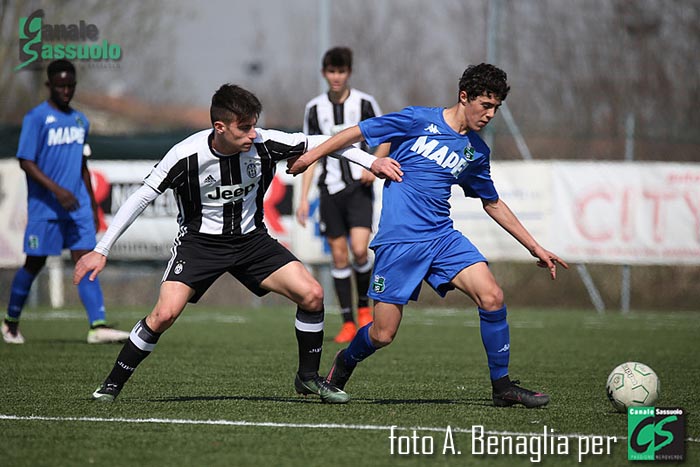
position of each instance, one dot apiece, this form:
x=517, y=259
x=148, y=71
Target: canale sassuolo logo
x=80, y=41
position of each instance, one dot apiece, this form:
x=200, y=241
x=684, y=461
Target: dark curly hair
x=233, y=101
x=338, y=57
x=484, y=79
x=59, y=66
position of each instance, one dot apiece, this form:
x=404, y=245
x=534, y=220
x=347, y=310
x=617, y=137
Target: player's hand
x=302, y=213
x=367, y=178
x=297, y=165
x=66, y=199
x=547, y=259
x=92, y=261
x=386, y=167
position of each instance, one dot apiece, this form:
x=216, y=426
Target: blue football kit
x=416, y=239
x=54, y=140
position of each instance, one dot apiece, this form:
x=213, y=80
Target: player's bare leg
x=378, y=334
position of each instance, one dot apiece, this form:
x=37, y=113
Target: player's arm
x=499, y=211
x=334, y=144
x=96, y=260
x=310, y=127
x=367, y=177
x=30, y=144
x=66, y=199
x=87, y=180
x=302, y=213
x=382, y=150
x=341, y=144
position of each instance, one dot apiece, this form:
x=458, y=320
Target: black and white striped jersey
x=323, y=117
x=223, y=195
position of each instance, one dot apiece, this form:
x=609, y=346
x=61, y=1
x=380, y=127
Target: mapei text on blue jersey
x=432, y=150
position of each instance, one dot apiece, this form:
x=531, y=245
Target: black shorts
x=199, y=259
x=346, y=209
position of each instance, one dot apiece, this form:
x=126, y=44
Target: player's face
x=479, y=112
x=236, y=136
x=337, y=77
x=62, y=87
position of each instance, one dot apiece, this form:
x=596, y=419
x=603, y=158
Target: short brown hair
x=338, y=57
x=233, y=101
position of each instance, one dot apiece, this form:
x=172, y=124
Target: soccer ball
x=632, y=384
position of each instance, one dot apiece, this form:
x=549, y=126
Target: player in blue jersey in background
x=60, y=203
x=416, y=240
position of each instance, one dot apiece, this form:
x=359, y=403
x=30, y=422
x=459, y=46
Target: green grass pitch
x=218, y=390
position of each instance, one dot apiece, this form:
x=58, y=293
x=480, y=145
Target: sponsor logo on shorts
x=378, y=285
x=33, y=242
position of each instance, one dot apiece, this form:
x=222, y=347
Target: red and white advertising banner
x=13, y=212
x=626, y=213
x=587, y=212
x=526, y=189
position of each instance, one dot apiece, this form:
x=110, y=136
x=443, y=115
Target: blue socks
x=496, y=338
x=494, y=334
x=19, y=290
x=360, y=348
x=91, y=295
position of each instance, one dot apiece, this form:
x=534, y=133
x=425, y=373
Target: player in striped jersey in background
x=346, y=193
x=219, y=177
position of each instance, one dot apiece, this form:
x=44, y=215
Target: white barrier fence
x=632, y=213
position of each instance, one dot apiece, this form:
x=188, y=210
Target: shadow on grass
x=80, y=341
x=300, y=399
x=313, y=399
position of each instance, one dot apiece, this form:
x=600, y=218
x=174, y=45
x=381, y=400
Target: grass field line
x=79, y=315
x=330, y=426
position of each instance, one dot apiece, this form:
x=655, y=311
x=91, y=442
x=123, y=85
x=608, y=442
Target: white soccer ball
x=632, y=384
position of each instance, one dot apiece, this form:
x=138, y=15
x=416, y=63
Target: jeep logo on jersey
x=440, y=154
x=226, y=193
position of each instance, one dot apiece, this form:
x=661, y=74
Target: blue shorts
x=399, y=268
x=49, y=238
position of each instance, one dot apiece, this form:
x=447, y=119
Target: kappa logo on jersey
x=230, y=192
x=432, y=150
x=50, y=119
x=209, y=180
x=432, y=128
x=378, y=284
x=66, y=135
